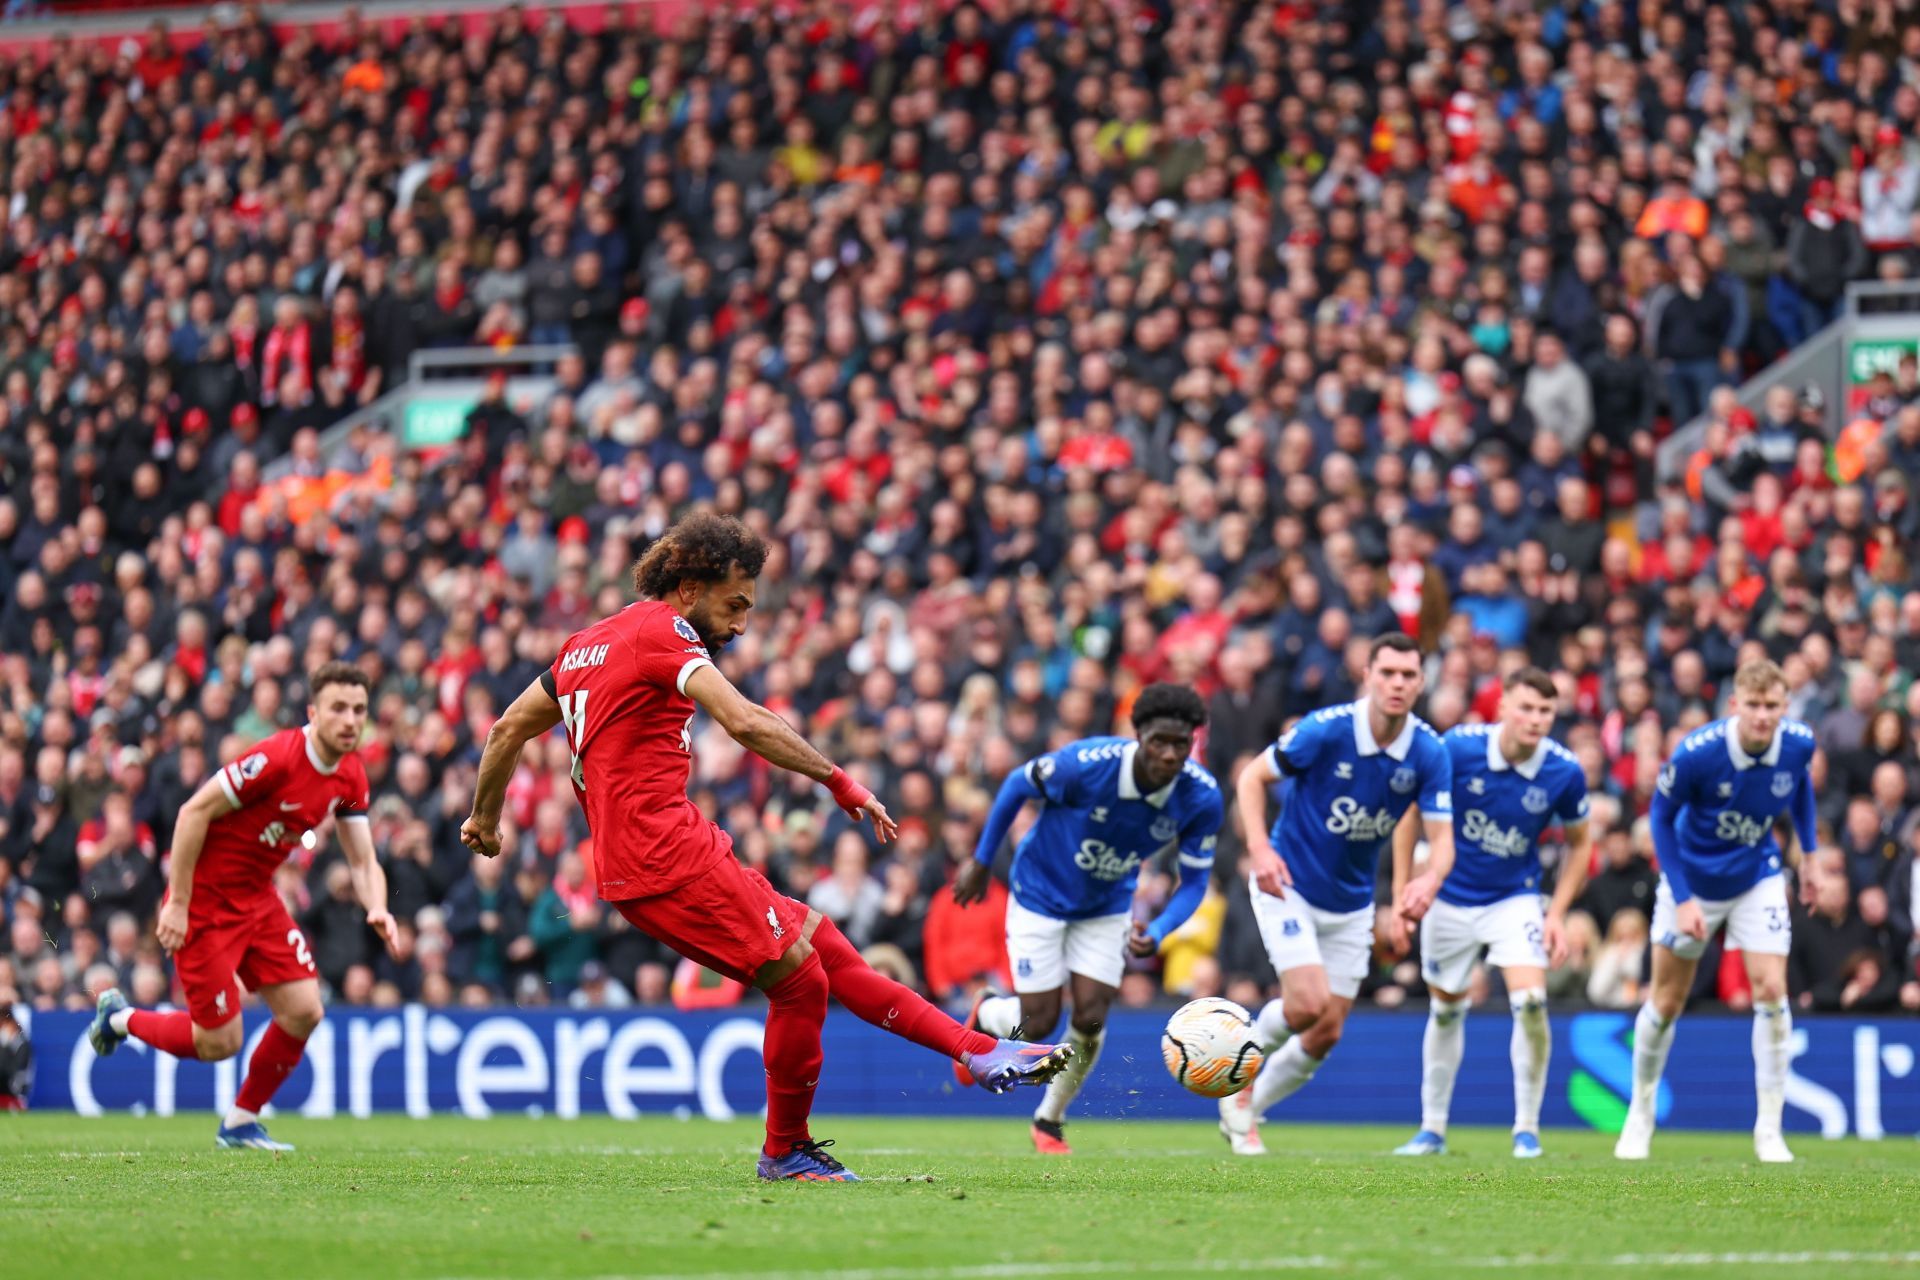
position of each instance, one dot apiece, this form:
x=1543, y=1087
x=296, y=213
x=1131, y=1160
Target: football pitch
x=394, y=1199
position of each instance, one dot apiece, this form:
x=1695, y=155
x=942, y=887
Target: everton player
x=1511, y=782
x=1350, y=772
x=626, y=690
x=1107, y=806
x=224, y=923
x=1713, y=814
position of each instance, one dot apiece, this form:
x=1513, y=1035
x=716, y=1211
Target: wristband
x=847, y=793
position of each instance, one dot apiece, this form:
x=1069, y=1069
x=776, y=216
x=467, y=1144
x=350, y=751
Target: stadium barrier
x=1850, y=1076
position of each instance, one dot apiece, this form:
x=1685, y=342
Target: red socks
x=797, y=1007
x=880, y=1000
x=168, y=1032
x=275, y=1059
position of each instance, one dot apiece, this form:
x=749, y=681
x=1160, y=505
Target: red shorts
x=728, y=919
x=260, y=948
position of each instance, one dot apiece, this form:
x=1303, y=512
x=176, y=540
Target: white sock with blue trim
x=1440, y=1052
x=1531, y=1048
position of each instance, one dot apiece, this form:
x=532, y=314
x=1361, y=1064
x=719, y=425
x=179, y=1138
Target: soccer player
x=626, y=689
x=224, y=923
x=1350, y=772
x=1107, y=806
x=1713, y=816
x=1511, y=783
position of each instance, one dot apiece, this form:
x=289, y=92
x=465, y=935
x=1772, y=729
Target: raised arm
x=775, y=741
x=533, y=713
x=211, y=801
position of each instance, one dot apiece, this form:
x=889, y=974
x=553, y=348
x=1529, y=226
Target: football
x=1209, y=1047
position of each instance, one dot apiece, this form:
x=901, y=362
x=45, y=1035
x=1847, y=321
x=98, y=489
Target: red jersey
x=282, y=793
x=621, y=684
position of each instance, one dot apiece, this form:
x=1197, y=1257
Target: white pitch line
x=1013, y=1270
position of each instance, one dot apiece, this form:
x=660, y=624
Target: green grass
x=392, y=1199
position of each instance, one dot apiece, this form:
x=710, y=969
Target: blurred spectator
x=1840, y=960
x=1615, y=981
x=562, y=924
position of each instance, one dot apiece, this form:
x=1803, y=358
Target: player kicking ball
x=626, y=689
x=1713, y=817
x=1349, y=773
x=224, y=923
x=1511, y=782
x=1107, y=806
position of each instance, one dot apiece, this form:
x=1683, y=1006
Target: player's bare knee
x=1322, y=1036
x=217, y=1044
x=1769, y=990
x=1089, y=1019
x=1305, y=1009
x=299, y=1022
x=1039, y=1015
x=1667, y=1004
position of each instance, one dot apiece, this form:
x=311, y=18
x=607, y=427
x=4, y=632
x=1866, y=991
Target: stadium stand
x=1058, y=347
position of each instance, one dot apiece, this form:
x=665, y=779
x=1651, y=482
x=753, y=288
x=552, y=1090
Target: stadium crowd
x=1058, y=348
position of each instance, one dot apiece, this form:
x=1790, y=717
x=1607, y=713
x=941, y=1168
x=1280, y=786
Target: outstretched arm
x=775, y=741
x=970, y=884
x=532, y=714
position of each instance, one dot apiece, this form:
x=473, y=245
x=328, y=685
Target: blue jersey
x=1502, y=810
x=1342, y=794
x=1715, y=809
x=1082, y=856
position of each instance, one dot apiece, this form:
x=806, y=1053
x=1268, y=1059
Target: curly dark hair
x=1169, y=702
x=704, y=547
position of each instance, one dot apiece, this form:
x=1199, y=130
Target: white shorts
x=1298, y=933
x=1043, y=950
x=1757, y=921
x=1513, y=931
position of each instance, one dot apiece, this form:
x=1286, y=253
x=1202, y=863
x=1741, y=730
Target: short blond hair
x=1759, y=676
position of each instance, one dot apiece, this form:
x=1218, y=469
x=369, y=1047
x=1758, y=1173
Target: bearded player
x=627, y=689
x=224, y=923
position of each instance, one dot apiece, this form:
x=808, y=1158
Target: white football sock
x=1270, y=1027
x=119, y=1020
x=999, y=1016
x=1282, y=1075
x=1652, y=1040
x=1440, y=1051
x=1531, y=1047
x=1772, y=1055
x=1065, y=1087
x=239, y=1116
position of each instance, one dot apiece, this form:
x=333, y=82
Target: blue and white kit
x=1341, y=796
x=1713, y=817
x=1491, y=899
x=1075, y=871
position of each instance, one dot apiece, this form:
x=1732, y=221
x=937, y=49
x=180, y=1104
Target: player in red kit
x=626, y=690
x=224, y=923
